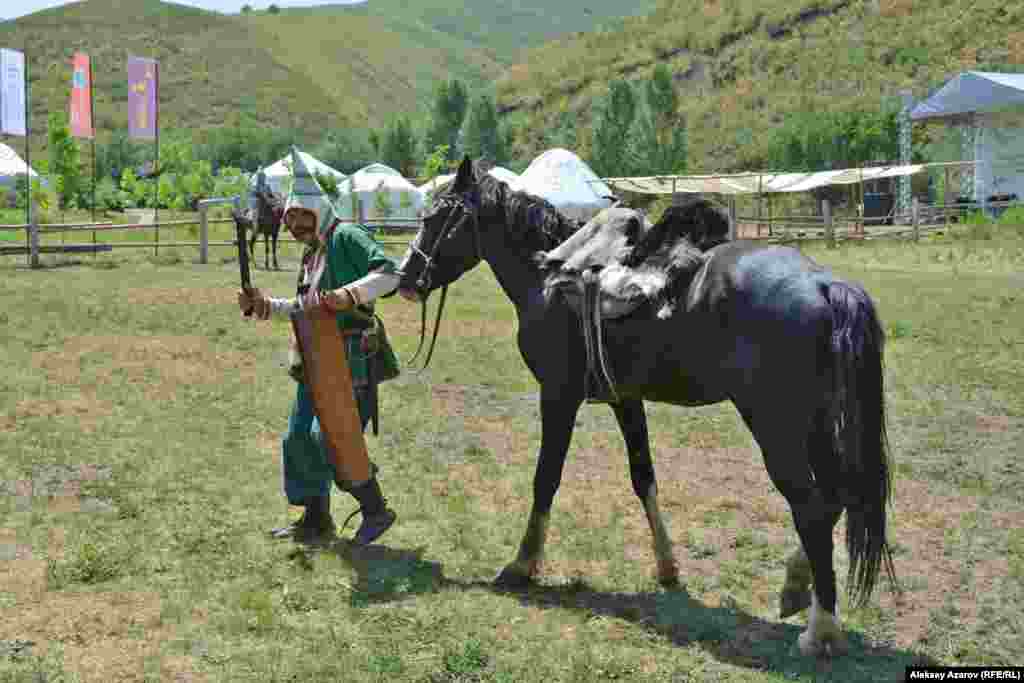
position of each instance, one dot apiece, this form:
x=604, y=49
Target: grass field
x=140, y=421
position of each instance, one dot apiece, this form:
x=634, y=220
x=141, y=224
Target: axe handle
x=243, y=261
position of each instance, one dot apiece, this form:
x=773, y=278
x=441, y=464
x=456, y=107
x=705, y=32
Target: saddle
x=618, y=262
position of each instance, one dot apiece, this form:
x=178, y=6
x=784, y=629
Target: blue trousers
x=307, y=471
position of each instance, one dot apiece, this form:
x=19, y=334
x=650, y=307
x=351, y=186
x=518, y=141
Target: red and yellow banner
x=81, y=96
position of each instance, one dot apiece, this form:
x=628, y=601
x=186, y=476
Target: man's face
x=302, y=226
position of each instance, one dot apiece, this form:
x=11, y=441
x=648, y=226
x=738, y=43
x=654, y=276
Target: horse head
x=448, y=244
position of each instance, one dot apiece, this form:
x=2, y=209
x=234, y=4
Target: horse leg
x=273, y=237
x=266, y=251
x=252, y=246
x=633, y=424
x=558, y=416
x=796, y=590
x=785, y=444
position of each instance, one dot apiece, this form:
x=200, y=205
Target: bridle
x=452, y=202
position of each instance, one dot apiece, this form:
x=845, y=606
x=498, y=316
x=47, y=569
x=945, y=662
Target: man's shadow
x=726, y=631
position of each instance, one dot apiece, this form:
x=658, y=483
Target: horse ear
x=464, y=176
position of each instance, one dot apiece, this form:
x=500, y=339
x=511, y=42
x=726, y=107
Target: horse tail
x=859, y=435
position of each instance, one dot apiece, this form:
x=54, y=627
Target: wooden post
x=204, y=234
x=830, y=232
x=732, y=218
x=915, y=217
x=945, y=200
x=33, y=243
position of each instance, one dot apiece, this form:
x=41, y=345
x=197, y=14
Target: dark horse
x=269, y=212
x=796, y=349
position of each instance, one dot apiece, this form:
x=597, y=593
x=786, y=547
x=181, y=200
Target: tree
x=246, y=9
x=274, y=9
x=447, y=116
x=65, y=162
x=610, y=154
x=400, y=147
x=484, y=138
x=660, y=134
x=436, y=162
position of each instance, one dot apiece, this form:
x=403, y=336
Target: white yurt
x=566, y=181
x=12, y=166
x=432, y=185
x=383, y=193
x=279, y=174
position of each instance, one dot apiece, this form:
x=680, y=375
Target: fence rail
x=32, y=248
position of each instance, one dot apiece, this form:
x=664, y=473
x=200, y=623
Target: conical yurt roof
x=561, y=177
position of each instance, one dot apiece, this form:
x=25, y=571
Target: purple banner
x=143, y=81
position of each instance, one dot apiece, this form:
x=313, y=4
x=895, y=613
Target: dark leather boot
x=377, y=518
x=316, y=523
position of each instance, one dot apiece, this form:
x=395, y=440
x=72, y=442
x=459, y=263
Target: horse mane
x=697, y=222
x=533, y=220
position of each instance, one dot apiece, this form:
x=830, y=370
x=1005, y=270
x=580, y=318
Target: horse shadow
x=726, y=631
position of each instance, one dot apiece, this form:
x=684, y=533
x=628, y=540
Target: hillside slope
x=743, y=66
x=311, y=69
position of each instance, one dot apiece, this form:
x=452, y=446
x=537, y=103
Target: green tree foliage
x=815, y=141
x=247, y=9
x=483, y=137
x=610, y=153
x=273, y=9
x=399, y=150
x=328, y=183
x=382, y=201
x=659, y=132
x=65, y=163
x=346, y=150
x=447, y=116
x=436, y=163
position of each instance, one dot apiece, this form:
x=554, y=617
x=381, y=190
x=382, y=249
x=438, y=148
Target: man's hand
x=254, y=299
x=331, y=301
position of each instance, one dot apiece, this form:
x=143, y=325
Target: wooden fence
x=922, y=219
x=33, y=249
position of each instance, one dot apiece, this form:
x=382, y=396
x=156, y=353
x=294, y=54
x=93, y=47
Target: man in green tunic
x=349, y=269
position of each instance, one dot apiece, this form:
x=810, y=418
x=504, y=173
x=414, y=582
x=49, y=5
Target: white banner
x=12, y=92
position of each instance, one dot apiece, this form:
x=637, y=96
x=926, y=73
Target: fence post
x=830, y=230
x=204, y=235
x=732, y=218
x=33, y=243
x=915, y=217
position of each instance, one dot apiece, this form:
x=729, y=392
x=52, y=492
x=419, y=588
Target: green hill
x=743, y=66
x=311, y=69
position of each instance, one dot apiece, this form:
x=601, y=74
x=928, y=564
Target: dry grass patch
x=86, y=410
x=102, y=636
x=181, y=359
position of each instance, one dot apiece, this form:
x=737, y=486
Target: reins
x=423, y=282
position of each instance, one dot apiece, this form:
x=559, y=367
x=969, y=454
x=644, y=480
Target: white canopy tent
x=12, y=166
x=566, y=181
x=758, y=183
x=382, y=192
x=992, y=106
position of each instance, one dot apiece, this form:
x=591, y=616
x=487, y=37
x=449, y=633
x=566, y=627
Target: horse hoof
x=793, y=602
x=512, y=578
x=831, y=646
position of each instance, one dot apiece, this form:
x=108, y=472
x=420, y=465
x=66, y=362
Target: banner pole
x=156, y=162
x=92, y=126
x=28, y=163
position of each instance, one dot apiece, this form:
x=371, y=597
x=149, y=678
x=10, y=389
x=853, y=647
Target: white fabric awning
x=756, y=183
